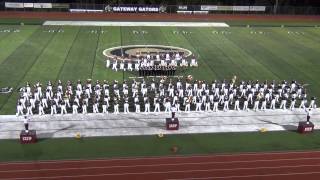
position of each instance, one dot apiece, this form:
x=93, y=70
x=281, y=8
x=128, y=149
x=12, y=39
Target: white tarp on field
x=117, y=23
x=154, y=123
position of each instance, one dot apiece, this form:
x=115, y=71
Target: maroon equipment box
x=305, y=127
x=28, y=137
x=172, y=123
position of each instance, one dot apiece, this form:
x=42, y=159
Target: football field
x=32, y=53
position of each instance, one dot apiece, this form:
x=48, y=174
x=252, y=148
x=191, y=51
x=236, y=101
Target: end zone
x=123, y=23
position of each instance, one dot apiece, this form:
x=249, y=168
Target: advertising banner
x=13, y=5
x=208, y=8
x=241, y=8
x=60, y=5
x=182, y=7
x=257, y=8
x=225, y=8
x=28, y=5
x=85, y=10
x=42, y=5
x=135, y=9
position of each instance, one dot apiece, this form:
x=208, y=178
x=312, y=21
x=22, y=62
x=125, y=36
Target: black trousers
x=26, y=126
x=308, y=118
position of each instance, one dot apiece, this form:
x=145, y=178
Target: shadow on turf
x=44, y=136
x=158, y=125
x=287, y=127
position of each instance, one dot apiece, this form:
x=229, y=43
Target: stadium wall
x=150, y=16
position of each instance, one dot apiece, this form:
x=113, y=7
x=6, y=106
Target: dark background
x=187, y=2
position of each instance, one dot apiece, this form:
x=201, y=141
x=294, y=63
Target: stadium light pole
x=275, y=7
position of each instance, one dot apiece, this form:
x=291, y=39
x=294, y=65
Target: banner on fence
x=208, y=8
x=240, y=8
x=135, y=9
x=28, y=5
x=60, y=5
x=225, y=8
x=182, y=7
x=85, y=10
x=42, y=5
x=257, y=8
x=232, y=8
x=13, y=5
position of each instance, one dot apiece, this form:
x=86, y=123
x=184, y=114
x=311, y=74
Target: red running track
x=261, y=166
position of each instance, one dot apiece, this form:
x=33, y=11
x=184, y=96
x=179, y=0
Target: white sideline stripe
x=166, y=172
x=123, y=23
x=164, y=164
x=249, y=176
x=164, y=157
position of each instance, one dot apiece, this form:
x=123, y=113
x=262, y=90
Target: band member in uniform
x=173, y=111
x=137, y=106
x=157, y=105
x=313, y=103
x=126, y=105
x=114, y=65
x=187, y=105
x=303, y=103
x=122, y=65
x=236, y=104
x=273, y=104
x=105, y=106
x=116, y=106
x=84, y=107
x=283, y=103
x=29, y=109
x=95, y=106
x=147, y=106
x=207, y=106
x=292, y=104
x=53, y=107
x=264, y=104
x=130, y=65
x=108, y=63
x=19, y=109
x=245, y=104
x=215, y=104
x=256, y=104
x=75, y=108
x=63, y=108
x=40, y=108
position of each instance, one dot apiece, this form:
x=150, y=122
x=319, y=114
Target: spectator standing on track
x=26, y=123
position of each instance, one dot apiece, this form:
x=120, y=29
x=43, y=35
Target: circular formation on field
x=135, y=51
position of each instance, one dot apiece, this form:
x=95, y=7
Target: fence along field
x=42, y=53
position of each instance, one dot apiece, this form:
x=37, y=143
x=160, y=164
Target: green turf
x=68, y=148
x=35, y=54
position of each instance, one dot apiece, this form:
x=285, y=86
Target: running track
x=278, y=165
